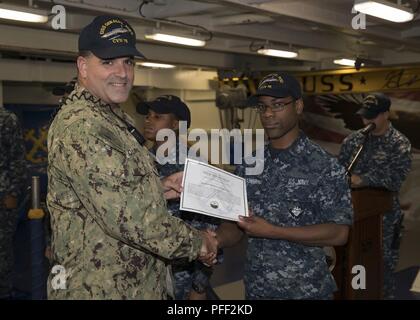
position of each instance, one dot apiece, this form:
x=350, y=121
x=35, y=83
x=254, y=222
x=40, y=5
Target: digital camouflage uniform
x=300, y=186
x=384, y=162
x=186, y=273
x=12, y=182
x=110, y=227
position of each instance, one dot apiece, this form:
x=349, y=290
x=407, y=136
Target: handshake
x=208, y=252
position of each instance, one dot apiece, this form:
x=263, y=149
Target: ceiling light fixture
x=156, y=65
x=345, y=62
x=349, y=62
x=384, y=10
x=11, y=12
x=186, y=41
x=277, y=53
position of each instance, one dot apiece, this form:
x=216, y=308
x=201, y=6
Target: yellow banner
x=365, y=80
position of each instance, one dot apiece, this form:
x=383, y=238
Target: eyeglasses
x=275, y=107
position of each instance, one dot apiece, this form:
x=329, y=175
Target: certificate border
x=181, y=205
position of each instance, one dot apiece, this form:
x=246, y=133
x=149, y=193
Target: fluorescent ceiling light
x=277, y=53
x=345, y=62
x=156, y=65
x=175, y=39
x=384, y=10
x=22, y=14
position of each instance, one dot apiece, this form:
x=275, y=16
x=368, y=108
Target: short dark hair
x=84, y=53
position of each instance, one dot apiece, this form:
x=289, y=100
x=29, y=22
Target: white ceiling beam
x=31, y=39
x=319, y=40
x=393, y=57
x=36, y=71
x=294, y=9
x=56, y=72
x=49, y=42
x=411, y=33
x=168, y=8
x=241, y=19
x=279, y=34
x=313, y=12
x=228, y=42
x=175, y=8
x=175, y=79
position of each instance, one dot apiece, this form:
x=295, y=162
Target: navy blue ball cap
x=278, y=85
x=167, y=104
x=373, y=105
x=109, y=37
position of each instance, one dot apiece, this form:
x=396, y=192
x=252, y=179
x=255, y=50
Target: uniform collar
x=295, y=147
x=81, y=92
x=386, y=135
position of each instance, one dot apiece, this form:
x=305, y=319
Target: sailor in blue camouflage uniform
x=384, y=162
x=298, y=204
x=12, y=182
x=192, y=278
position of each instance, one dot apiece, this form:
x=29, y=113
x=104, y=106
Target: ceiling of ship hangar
x=318, y=30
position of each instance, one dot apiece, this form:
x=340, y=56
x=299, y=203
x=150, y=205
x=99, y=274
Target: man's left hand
x=255, y=226
x=172, y=185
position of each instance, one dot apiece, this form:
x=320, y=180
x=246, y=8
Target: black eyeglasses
x=275, y=107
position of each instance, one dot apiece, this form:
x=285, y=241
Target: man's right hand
x=208, y=251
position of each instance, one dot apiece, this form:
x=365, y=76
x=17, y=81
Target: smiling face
x=110, y=80
x=279, y=123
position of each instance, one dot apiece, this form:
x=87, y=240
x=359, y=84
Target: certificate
x=214, y=192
